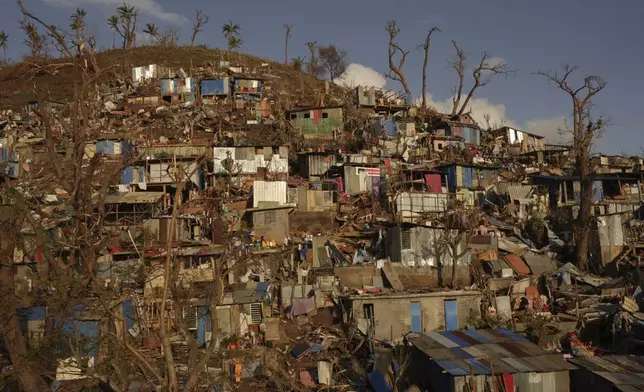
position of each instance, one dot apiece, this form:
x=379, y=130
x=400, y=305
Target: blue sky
x=601, y=37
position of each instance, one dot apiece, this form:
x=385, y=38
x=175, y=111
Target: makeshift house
x=316, y=164
x=467, y=132
x=520, y=142
x=269, y=193
x=271, y=223
x=490, y=359
x=315, y=196
x=214, y=89
x=132, y=207
x=383, y=100
x=140, y=74
x=417, y=245
x=607, y=373
x=318, y=122
x=469, y=177
x=391, y=316
x=266, y=161
x=361, y=179
x=248, y=87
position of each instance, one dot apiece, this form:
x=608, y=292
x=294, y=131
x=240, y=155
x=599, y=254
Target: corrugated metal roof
x=520, y=191
x=134, y=198
x=617, y=369
x=478, y=352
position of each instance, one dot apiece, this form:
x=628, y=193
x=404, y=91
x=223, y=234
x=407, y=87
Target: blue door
x=451, y=315
x=416, y=321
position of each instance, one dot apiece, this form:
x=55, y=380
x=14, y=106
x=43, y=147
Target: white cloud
x=148, y=7
x=360, y=75
x=492, y=61
x=480, y=108
x=548, y=127
x=143, y=39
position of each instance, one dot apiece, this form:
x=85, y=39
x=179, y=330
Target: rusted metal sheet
x=517, y=264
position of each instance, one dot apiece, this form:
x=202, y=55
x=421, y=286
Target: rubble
x=362, y=228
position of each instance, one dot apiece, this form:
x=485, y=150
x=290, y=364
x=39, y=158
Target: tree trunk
x=425, y=61
x=585, y=209
x=28, y=377
x=286, y=49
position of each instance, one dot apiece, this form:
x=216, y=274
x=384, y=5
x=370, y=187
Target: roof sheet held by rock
x=461, y=353
x=517, y=264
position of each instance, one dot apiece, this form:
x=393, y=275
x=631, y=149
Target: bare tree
x=169, y=37
x=482, y=75
x=127, y=15
x=314, y=68
x=298, y=63
x=333, y=60
x=288, y=28
x=396, y=71
x=200, y=20
x=34, y=40
x=585, y=131
x=458, y=227
x=425, y=47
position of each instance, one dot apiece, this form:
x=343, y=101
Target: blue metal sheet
x=451, y=315
x=215, y=86
x=453, y=368
x=478, y=367
x=451, y=177
x=454, y=338
x=128, y=313
x=512, y=335
x=475, y=335
x=416, y=322
x=440, y=339
x=468, y=176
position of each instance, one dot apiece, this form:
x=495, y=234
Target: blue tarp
x=468, y=176
x=203, y=324
x=128, y=313
x=378, y=382
x=105, y=147
x=127, y=175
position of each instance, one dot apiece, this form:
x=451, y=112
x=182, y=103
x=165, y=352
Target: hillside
x=291, y=87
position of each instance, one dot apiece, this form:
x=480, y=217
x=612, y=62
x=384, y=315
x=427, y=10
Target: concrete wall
x=273, y=225
x=393, y=313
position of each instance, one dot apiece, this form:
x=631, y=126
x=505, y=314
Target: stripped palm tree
x=4, y=39
x=152, y=30
x=113, y=22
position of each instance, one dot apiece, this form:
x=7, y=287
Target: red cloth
x=433, y=182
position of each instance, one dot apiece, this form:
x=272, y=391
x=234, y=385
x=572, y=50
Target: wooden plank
x=392, y=276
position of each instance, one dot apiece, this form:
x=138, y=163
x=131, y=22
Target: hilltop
x=294, y=88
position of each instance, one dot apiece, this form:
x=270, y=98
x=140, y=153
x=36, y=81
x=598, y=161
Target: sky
x=602, y=38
